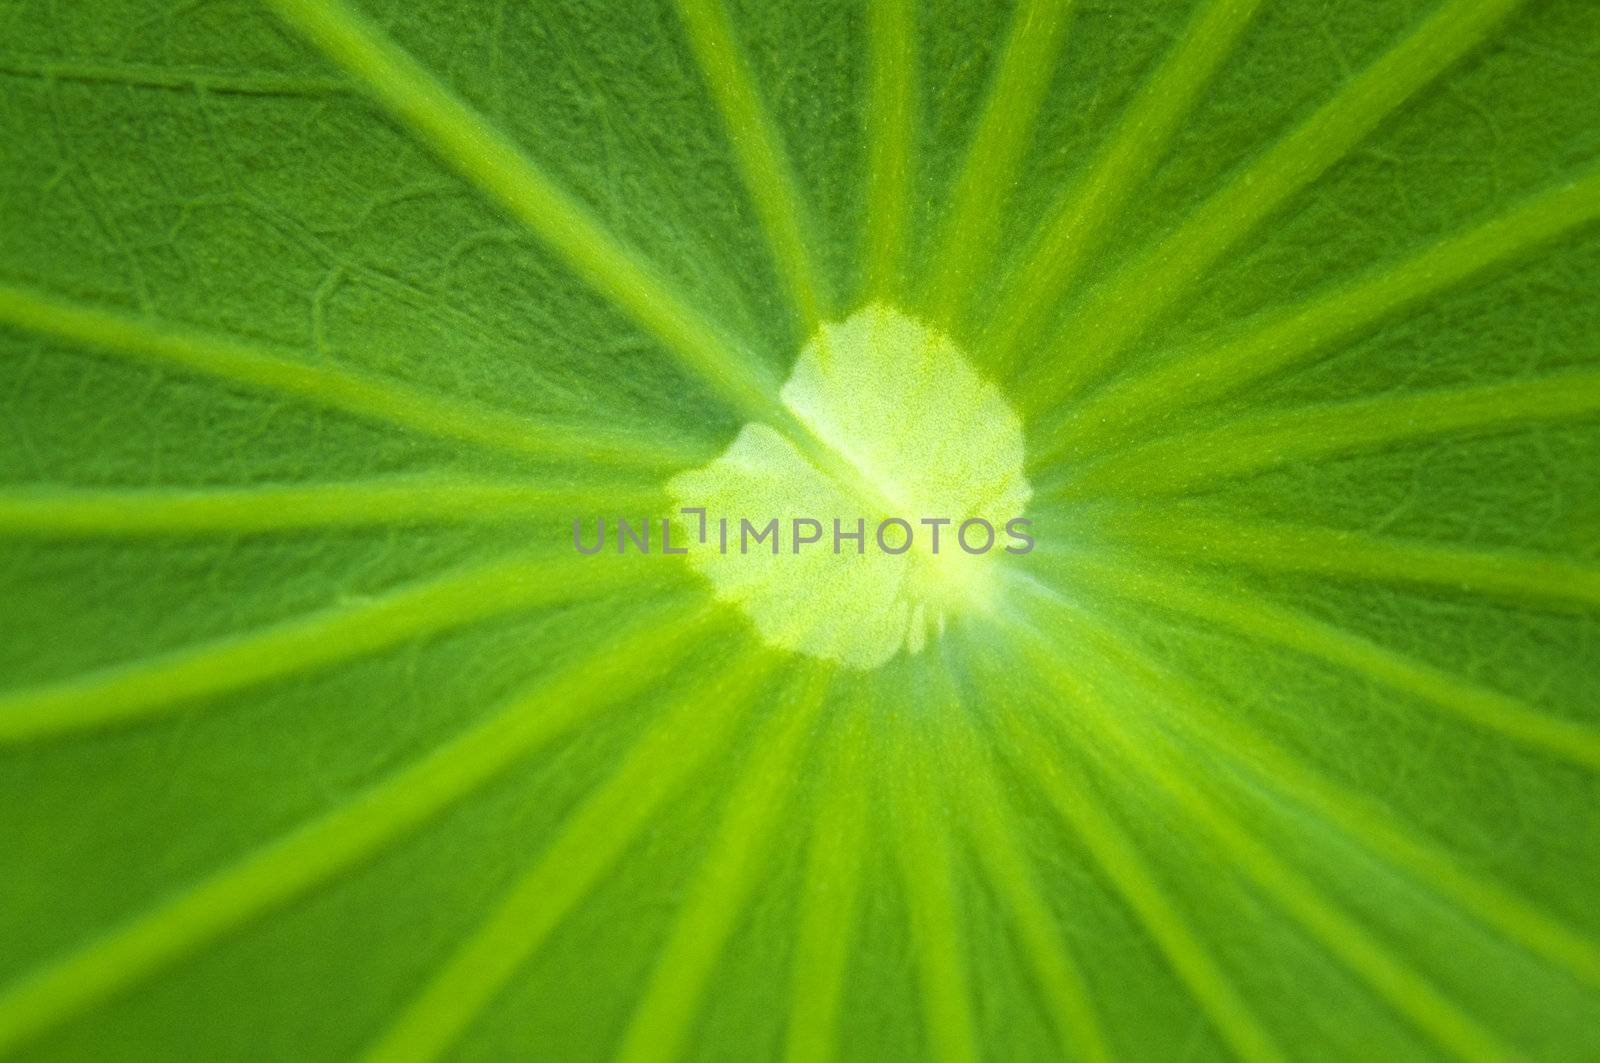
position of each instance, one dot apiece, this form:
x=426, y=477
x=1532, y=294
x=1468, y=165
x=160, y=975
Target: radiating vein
x=728, y=876
x=379, y=502
x=1489, y=709
x=283, y=372
x=830, y=899
x=1513, y=575
x=922, y=848
x=762, y=159
x=1407, y=991
x=354, y=831
x=1302, y=331
x=465, y=140
x=990, y=821
x=890, y=116
x=1005, y=128
x=1202, y=718
x=1119, y=313
x=1192, y=460
x=697, y=726
x=1126, y=870
x=1078, y=218
x=166, y=683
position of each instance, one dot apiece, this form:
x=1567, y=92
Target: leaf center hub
x=891, y=514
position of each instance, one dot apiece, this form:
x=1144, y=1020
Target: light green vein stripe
x=355, y=831
x=1300, y=332
x=727, y=878
x=830, y=900
x=1485, y=708
x=481, y=153
x=1004, y=131
x=159, y=685
x=990, y=820
x=1117, y=856
x=1408, y=992
x=922, y=849
x=1079, y=217
x=892, y=59
x=379, y=502
x=282, y=371
x=697, y=727
x=1192, y=460
x=1204, y=719
x=766, y=169
x=1158, y=279
x=1516, y=576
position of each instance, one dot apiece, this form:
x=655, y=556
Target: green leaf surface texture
x=321, y=321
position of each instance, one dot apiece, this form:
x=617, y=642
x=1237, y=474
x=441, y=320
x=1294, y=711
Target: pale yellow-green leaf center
x=920, y=448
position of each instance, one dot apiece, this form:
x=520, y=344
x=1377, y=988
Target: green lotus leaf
x=352, y=351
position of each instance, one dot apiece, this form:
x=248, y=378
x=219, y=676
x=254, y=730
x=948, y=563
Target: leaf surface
x=320, y=321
